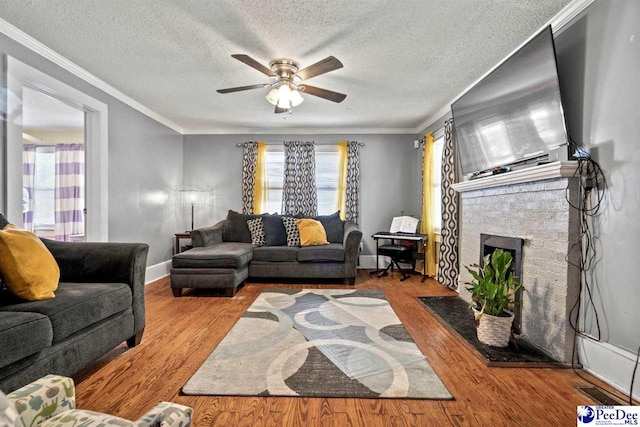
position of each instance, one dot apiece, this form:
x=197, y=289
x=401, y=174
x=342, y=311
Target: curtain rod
x=361, y=144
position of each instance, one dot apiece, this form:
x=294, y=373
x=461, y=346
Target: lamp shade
x=296, y=98
x=272, y=96
x=192, y=197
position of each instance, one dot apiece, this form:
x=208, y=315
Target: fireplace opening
x=513, y=245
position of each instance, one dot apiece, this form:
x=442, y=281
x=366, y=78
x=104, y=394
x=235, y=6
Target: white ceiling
x=42, y=112
x=403, y=60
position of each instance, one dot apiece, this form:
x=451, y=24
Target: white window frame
x=20, y=75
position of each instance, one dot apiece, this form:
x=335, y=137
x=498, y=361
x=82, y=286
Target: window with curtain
x=327, y=175
x=438, y=146
x=44, y=189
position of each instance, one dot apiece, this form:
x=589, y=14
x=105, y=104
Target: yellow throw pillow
x=311, y=232
x=26, y=265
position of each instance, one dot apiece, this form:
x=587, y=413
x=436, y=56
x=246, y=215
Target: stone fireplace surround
x=530, y=204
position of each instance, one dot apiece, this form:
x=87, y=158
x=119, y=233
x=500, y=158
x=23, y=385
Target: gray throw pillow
x=3, y=222
x=274, y=232
x=236, y=228
x=333, y=226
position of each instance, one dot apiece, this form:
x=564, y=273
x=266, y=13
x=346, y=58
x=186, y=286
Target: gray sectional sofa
x=99, y=303
x=223, y=256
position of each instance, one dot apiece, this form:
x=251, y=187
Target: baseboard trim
x=610, y=364
x=157, y=271
x=368, y=262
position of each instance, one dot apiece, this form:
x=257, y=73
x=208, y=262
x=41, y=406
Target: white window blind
x=274, y=178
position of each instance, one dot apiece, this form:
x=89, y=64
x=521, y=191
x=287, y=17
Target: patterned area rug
x=318, y=343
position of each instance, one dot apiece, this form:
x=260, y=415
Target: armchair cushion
x=23, y=334
x=331, y=252
x=43, y=399
x=77, y=306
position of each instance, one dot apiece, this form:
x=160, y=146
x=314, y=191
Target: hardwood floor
x=182, y=332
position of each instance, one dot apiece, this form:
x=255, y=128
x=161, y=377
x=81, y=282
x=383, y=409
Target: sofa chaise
x=223, y=256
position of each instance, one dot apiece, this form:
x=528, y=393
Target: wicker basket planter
x=494, y=330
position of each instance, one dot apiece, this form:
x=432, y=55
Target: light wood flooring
x=182, y=332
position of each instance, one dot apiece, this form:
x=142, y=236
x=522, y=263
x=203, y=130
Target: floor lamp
x=191, y=197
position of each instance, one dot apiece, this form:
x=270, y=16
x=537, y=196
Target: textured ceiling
x=403, y=60
x=42, y=112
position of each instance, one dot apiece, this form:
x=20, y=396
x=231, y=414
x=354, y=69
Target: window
x=327, y=175
x=437, y=180
x=44, y=189
x=274, y=180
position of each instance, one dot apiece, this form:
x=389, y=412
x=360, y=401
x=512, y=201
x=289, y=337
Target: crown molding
x=300, y=131
x=561, y=19
x=43, y=50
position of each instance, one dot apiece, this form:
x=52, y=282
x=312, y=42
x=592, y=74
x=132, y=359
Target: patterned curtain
x=28, y=178
x=299, y=194
x=448, y=263
x=249, y=163
x=353, y=182
x=69, y=191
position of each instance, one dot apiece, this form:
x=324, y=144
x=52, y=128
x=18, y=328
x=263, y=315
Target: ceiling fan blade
x=329, y=63
x=324, y=93
x=254, y=64
x=240, y=88
x=280, y=110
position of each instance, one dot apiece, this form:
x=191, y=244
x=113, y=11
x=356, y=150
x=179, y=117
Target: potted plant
x=493, y=291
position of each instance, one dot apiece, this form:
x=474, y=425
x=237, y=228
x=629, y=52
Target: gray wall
x=599, y=66
x=388, y=175
x=145, y=165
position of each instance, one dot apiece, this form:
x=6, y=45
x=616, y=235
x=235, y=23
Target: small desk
x=181, y=236
x=420, y=239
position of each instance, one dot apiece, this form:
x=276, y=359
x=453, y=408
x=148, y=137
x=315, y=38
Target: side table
x=181, y=248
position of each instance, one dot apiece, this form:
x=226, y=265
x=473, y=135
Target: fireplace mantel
x=536, y=173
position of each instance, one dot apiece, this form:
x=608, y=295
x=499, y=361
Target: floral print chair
x=51, y=402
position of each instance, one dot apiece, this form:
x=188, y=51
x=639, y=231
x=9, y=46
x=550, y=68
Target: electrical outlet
x=361, y=246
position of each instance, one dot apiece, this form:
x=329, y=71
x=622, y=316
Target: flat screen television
x=514, y=113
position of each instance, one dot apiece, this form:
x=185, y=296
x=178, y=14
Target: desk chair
x=397, y=253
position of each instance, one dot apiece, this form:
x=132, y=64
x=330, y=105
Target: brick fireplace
x=530, y=205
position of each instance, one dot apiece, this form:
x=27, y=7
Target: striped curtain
x=448, y=262
x=249, y=163
x=28, y=178
x=69, y=191
x=299, y=194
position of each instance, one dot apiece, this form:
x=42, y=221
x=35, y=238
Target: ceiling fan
x=289, y=81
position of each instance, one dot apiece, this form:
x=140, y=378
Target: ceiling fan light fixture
x=284, y=96
x=272, y=96
x=295, y=98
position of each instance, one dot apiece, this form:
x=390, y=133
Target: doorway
x=53, y=164
x=68, y=130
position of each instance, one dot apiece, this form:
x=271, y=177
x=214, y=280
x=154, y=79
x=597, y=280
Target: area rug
x=318, y=343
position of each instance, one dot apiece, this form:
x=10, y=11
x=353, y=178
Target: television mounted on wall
x=514, y=115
